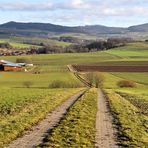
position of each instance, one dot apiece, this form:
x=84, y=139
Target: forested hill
x=36, y=28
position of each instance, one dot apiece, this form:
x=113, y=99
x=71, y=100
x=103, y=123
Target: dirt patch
x=105, y=132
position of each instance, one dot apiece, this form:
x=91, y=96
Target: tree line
x=90, y=46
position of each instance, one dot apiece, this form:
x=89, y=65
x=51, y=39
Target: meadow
x=16, y=44
x=22, y=108
x=16, y=99
x=27, y=42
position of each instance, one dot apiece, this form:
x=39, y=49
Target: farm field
x=53, y=73
x=21, y=108
x=17, y=44
x=26, y=42
x=137, y=77
x=43, y=80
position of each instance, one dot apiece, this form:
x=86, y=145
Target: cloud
x=105, y=8
x=78, y=11
x=46, y=6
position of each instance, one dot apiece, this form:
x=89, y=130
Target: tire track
x=105, y=132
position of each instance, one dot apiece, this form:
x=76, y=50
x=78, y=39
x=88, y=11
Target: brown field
x=94, y=68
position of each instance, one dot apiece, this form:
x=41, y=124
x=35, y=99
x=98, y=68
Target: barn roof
x=8, y=63
x=12, y=65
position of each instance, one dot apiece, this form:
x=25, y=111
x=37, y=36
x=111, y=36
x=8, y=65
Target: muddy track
x=76, y=74
x=38, y=132
x=105, y=132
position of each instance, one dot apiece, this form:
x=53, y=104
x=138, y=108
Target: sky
x=121, y=13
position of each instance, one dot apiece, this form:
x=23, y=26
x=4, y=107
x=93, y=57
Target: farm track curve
x=35, y=136
x=106, y=134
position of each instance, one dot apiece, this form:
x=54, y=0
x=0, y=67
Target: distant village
x=8, y=50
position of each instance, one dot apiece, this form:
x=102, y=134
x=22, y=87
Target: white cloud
x=80, y=11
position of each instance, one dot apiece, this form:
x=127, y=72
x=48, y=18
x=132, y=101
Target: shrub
x=28, y=84
x=63, y=84
x=95, y=78
x=98, y=78
x=24, y=60
x=126, y=83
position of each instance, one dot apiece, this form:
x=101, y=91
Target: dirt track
x=94, y=68
x=36, y=135
x=106, y=133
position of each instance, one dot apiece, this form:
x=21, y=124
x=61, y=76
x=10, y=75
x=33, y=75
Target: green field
x=21, y=108
x=26, y=42
x=53, y=69
x=17, y=44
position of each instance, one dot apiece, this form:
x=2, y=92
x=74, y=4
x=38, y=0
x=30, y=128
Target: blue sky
x=76, y=12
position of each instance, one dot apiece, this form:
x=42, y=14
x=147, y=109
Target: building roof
x=12, y=65
x=7, y=63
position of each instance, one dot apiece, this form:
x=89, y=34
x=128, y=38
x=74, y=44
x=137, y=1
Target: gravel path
x=36, y=135
x=106, y=133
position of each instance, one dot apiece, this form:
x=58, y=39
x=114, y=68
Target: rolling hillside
x=44, y=29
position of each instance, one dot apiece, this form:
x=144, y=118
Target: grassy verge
x=140, y=101
x=133, y=126
x=78, y=126
x=22, y=108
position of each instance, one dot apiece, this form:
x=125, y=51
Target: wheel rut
x=35, y=136
x=105, y=131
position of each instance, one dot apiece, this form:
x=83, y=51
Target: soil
x=95, y=68
x=105, y=131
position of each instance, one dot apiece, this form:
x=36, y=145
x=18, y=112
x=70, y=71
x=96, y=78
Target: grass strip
x=133, y=126
x=137, y=100
x=77, y=129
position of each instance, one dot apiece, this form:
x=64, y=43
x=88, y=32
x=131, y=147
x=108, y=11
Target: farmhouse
x=10, y=66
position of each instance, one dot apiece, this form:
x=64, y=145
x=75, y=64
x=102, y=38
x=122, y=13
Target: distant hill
x=43, y=29
x=38, y=26
x=139, y=28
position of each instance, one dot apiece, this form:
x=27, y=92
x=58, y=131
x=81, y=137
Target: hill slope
x=36, y=29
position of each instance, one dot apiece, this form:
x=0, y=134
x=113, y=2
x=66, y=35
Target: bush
x=62, y=84
x=99, y=78
x=27, y=84
x=126, y=83
x=24, y=60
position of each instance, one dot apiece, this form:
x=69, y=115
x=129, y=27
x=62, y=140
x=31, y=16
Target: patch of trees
x=98, y=45
x=24, y=60
x=110, y=43
x=90, y=46
x=70, y=39
x=51, y=49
